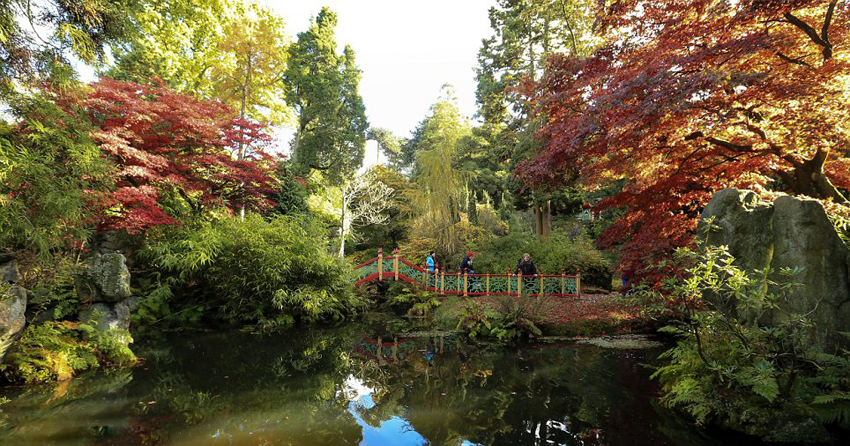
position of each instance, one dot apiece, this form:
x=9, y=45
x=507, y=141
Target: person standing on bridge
x=431, y=262
x=431, y=265
x=466, y=265
x=526, y=266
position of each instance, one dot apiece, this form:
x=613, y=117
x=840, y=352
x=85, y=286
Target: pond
x=363, y=383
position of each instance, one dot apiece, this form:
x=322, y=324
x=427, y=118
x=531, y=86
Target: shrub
x=729, y=369
x=412, y=299
x=508, y=318
x=59, y=350
x=272, y=271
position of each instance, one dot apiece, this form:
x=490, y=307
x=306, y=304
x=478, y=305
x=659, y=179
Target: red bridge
x=395, y=268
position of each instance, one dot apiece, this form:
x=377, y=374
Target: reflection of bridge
x=395, y=268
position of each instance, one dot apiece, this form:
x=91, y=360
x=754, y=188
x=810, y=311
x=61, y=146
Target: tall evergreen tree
x=323, y=87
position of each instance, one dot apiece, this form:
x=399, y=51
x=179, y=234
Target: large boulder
x=13, y=306
x=106, y=279
x=9, y=272
x=791, y=232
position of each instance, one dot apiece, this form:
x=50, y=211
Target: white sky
x=406, y=49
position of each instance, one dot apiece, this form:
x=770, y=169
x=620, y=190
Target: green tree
x=323, y=87
x=249, y=75
x=437, y=197
x=51, y=173
x=177, y=41
x=37, y=37
x=525, y=34
x=391, y=145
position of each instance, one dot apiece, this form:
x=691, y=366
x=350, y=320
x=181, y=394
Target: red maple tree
x=692, y=96
x=169, y=145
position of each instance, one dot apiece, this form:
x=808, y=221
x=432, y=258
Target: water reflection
x=360, y=384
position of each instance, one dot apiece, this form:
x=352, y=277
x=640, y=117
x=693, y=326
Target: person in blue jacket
x=431, y=262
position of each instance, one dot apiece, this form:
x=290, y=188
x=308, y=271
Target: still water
x=364, y=383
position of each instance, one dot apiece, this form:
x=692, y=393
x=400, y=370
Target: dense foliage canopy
x=694, y=96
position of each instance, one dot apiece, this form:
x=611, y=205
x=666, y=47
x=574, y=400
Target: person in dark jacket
x=466, y=264
x=526, y=266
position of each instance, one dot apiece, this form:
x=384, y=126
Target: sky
x=406, y=49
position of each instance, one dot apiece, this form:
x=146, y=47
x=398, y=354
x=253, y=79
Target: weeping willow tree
x=436, y=199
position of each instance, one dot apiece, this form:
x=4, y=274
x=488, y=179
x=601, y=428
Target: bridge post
x=380, y=264
x=563, y=282
x=426, y=275
x=395, y=263
x=519, y=284
x=541, y=285
x=458, y=280
x=465, y=287
x=510, y=280
x=488, y=283
x=443, y=282
x=578, y=283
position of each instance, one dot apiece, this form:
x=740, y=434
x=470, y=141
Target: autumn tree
x=690, y=97
x=170, y=151
x=525, y=34
x=322, y=86
x=52, y=176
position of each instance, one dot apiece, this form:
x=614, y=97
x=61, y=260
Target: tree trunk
x=543, y=217
x=808, y=178
x=342, y=228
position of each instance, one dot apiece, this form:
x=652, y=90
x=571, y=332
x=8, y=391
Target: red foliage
x=693, y=96
x=168, y=145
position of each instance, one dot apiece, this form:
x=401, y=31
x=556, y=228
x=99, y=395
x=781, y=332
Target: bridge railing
x=394, y=268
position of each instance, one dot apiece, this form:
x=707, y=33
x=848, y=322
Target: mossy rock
x=793, y=422
x=106, y=279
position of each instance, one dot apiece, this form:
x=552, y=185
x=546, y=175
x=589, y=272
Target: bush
x=274, y=272
x=411, y=299
x=551, y=256
x=59, y=350
x=728, y=369
x=508, y=318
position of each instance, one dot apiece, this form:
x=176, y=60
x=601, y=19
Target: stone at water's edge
x=792, y=232
x=105, y=317
x=13, y=306
x=9, y=272
x=106, y=279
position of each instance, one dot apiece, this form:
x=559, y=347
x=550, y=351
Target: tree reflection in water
x=357, y=384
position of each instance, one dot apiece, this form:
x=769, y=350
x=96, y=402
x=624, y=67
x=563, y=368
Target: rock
x=9, y=272
x=133, y=303
x=106, y=279
x=107, y=317
x=742, y=222
x=13, y=306
x=805, y=237
x=789, y=423
x=792, y=232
